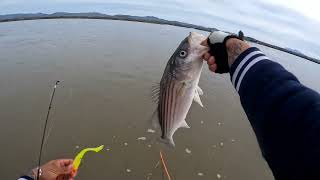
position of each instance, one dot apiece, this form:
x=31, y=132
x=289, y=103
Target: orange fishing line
x=164, y=165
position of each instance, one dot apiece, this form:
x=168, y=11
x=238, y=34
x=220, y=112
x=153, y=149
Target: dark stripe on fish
x=170, y=100
x=164, y=112
x=167, y=100
x=173, y=108
x=175, y=102
x=160, y=102
x=165, y=105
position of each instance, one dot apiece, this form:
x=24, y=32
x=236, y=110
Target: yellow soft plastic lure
x=78, y=158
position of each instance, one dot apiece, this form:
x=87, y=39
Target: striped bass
x=179, y=86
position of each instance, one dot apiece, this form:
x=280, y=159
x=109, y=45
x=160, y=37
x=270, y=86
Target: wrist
x=34, y=173
x=234, y=48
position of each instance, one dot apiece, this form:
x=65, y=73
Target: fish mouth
x=196, y=40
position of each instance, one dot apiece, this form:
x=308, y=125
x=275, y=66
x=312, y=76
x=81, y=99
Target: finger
x=66, y=166
x=206, y=56
x=65, y=163
x=62, y=177
x=211, y=61
x=74, y=174
x=65, y=177
x=68, y=169
x=213, y=67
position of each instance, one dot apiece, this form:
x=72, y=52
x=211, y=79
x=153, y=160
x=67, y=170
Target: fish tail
x=167, y=141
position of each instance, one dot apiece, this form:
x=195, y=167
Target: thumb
x=68, y=169
x=66, y=166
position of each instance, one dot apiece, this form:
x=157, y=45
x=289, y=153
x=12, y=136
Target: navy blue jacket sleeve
x=284, y=114
x=25, y=178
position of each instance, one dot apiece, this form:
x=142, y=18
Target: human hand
x=224, y=49
x=209, y=58
x=60, y=169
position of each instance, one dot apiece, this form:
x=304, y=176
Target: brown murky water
x=107, y=69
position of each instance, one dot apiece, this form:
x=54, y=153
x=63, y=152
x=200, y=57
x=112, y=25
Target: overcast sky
x=287, y=23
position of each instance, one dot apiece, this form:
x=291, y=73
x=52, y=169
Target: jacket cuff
x=25, y=178
x=244, y=62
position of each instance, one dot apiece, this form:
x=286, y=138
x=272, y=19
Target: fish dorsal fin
x=200, y=92
x=197, y=98
x=155, y=91
x=184, y=124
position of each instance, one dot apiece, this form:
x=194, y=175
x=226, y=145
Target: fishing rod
x=156, y=21
x=45, y=128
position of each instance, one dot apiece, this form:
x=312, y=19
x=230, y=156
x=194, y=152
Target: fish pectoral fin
x=199, y=90
x=182, y=89
x=197, y=99
x=184, y=124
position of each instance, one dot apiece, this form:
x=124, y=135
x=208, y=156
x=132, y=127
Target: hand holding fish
x=59, y=169
x=224, y=50
x=179, y=83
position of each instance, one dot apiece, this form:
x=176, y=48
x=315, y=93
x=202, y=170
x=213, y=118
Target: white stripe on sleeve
x=253, y=62
x=236, y=72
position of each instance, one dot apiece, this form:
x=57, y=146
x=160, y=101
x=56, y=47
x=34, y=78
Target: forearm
x=282, y=112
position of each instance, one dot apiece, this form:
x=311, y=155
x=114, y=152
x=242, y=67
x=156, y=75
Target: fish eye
x=183, y=54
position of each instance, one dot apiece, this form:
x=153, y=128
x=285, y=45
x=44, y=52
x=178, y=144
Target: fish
x=178, y=87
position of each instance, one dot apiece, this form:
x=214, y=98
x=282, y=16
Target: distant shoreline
x=146, y=19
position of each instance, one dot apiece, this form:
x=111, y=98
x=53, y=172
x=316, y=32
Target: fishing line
x=48, y=133
x=45, y=127
x=164, y=166
x=52, y=125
